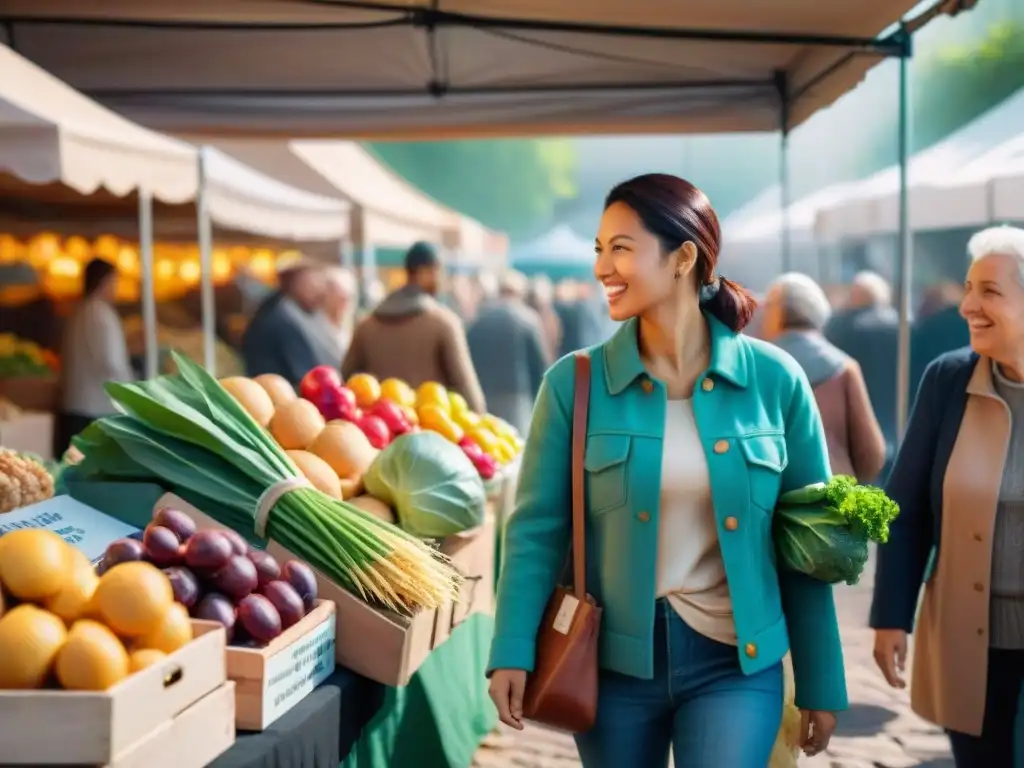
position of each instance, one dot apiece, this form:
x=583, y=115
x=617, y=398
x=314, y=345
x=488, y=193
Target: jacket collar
x=623, y=364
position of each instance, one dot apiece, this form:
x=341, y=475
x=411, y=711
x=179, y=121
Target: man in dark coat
x=277, y=340
x=506, y=342
x=867, y=329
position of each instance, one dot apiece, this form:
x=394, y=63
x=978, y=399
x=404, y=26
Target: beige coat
x=951, y=641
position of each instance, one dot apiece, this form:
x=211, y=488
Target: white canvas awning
x=457, y=68
x=871, y=207
x=800, y=218
x=51, y=134
x=560, y=245
x=988, y=191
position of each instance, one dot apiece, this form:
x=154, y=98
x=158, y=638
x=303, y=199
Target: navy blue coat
x=915, y=483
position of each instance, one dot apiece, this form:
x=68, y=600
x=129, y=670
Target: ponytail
x=729, y=302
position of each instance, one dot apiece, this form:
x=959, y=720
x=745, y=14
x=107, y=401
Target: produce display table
x=317, y=733
x=440, y=718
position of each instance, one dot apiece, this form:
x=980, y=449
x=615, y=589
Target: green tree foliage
x=955, y=84
x=509, y=184
x=960, y=82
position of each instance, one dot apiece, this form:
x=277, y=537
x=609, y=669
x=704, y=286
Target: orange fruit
x=432, y=393
x=34, y=563
x=398, y=392
x=30, y=639
x=174, y=632
x=366, y=388
x=75, y=597
x=411, y=415
x=92, y=659
x=143, y=658
x=133, y=598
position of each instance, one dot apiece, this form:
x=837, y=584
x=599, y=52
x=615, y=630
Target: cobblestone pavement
x=879, y=731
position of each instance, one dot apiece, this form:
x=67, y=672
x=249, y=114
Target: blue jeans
x=699, y=702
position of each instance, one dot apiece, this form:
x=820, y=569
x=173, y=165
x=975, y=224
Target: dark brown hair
x=675, y=211
x=96, y=272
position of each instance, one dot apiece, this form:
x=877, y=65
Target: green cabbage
x=823, y=530
x=430, y=483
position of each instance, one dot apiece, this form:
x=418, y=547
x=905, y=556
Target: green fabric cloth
x=439, y=719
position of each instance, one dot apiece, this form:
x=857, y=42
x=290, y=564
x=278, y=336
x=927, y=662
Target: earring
x=678, y=274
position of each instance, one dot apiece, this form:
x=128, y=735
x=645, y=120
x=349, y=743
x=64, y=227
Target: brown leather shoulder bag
x=562, y=689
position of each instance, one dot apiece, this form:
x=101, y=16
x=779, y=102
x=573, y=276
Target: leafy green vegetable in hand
x=823, y=530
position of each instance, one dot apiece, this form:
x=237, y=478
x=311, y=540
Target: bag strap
x=580, y=409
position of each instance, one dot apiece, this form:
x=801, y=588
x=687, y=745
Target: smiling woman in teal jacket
x=693, y=433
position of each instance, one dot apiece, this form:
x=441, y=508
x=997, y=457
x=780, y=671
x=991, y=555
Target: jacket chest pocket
x=606, y=465
x=765, y=457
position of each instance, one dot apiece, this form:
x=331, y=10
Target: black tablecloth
x=317, y=733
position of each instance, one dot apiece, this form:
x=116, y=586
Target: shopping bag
x=786, y=752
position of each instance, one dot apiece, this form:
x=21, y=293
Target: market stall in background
x=277, y=544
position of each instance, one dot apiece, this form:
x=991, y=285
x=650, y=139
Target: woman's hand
x=815, y=730
x=507, y=689
x=891, y=655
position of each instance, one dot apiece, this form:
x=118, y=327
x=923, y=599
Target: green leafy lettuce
x=823, y=530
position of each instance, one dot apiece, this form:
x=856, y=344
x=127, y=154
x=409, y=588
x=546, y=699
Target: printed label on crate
x=293, y=673
x=78, y=524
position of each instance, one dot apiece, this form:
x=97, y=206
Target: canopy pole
x=785, y=193
x=906, y=239
x=151, y=367
x=205, y=231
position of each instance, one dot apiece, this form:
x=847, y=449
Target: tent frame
x=896, y=44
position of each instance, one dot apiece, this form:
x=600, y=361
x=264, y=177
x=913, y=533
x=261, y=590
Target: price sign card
x=78, y=524
x=293, y=673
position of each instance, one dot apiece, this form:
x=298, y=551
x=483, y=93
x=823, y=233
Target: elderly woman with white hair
x=794, y=312
x=959, y=481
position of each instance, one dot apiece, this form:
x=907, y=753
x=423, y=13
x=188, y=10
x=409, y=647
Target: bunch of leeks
x=187, y=434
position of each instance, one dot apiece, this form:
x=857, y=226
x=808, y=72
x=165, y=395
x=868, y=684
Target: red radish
x=208, y=550
x=302, y=578
x=182, y=525
x=287, y=602
x=259, y=617
x=237, y=578
x=163, y=548
x=238, y=543
x=217, y=608
x=267, y=569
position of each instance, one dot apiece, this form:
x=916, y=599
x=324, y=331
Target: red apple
x=470, y=448
x=376, y=430
x=336, y=402
x=392, y=415
x=485, y=465
x=316, y=379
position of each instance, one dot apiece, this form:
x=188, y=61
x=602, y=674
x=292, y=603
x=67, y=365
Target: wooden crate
x=376, y=643
x=83, y=728
x=379, y=644
x=271, y=680
x=193, y=739
x=32, y=393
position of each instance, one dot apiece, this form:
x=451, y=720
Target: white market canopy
x=51, y=134
x=871, y=207
x=767, y=224
x=560, y=245
x=458, y=68
x=388, y=211
x=988, y=191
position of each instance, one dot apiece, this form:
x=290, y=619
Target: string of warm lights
x=59, y=263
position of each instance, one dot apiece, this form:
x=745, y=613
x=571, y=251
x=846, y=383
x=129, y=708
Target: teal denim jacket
x=762, y=434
